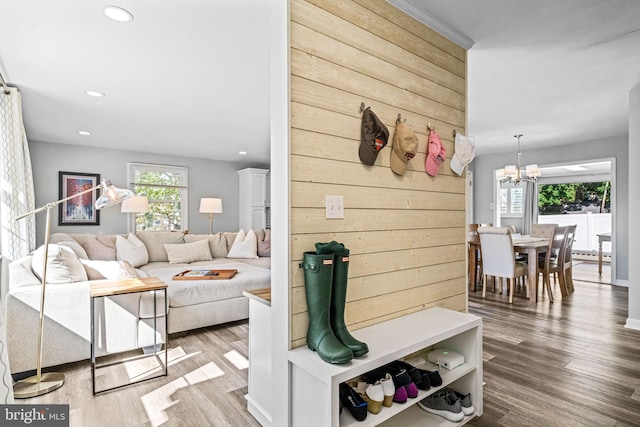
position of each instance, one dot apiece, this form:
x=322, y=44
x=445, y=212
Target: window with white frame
x=511, y=200
x=166, y=187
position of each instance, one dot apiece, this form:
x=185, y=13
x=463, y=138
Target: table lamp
x=210, y=206
x=40, y=384
x=134, y=205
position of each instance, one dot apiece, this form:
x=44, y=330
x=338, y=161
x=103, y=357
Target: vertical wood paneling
x=406, y=233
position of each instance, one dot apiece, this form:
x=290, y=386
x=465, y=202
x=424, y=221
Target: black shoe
x=353, y=402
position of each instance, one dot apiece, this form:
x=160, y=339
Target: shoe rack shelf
x=314, y=391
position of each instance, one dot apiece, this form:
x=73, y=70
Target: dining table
x=532, y=246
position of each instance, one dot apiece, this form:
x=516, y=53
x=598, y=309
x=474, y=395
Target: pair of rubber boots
x=325, y=277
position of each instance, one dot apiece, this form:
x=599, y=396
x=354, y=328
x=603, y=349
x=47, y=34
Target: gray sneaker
x=442, y=403
x=465, y=401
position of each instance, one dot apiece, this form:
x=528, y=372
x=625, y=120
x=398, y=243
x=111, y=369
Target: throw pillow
x=75, y=247
x=131, y=250
x=113, y=270
x=231, y=237
x=188, y=252
x=245, y=245
x=217, y=243
x=63, y=266
x=264, y=246
x=100, y=247
x=155, y=241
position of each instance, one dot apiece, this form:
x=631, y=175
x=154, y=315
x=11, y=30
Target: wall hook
x=362, y=107
x=399, y=118
x=430, y=127
x=454, y=133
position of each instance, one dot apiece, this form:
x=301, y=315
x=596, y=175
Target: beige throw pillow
x=217, y=243
x=155, y=241
x=63, y=265
x=188, y=252
x=100, y=247
x=264, y=246
x=245, y=245
x=131, y=250
x=112, y=270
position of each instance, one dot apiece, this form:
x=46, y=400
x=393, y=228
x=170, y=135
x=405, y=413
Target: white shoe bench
x=314, y=392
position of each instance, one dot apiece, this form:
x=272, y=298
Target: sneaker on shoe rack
x=465, y=401
x=442, y=403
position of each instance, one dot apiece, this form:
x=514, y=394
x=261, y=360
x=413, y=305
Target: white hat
x=465, y=151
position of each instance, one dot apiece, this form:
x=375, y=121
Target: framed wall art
x=80, y=210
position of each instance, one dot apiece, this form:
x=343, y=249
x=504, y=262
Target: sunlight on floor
x=238, y=360
x=158, y=401
x=149, y=365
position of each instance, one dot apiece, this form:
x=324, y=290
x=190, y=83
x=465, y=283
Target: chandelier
x=513, y=173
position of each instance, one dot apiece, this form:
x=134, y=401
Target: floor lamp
x=210, y=206
x=40, y=384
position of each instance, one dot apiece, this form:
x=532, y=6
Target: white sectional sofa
x=125, y=322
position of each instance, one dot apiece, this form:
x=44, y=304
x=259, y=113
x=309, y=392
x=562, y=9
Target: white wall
x=207, y=178
x=633, y=319
x=618, y=147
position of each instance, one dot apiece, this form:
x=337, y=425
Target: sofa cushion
x=188, y=252
x=99, y=247
x=63, y=265
x=217, y=243
x=21, y=273
x=113, y=270
x=155, y=241
x=245, y=245
x=131, y=250
x=264, y=245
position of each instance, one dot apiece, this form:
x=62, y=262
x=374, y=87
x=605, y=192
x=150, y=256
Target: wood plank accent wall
x=406, y=233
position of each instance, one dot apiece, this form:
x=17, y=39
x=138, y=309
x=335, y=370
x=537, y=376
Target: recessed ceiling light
x=94, y=93
x=118, y=14
x=84, y=132
x=243, y=153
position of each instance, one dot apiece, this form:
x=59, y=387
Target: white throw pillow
x=63, y=265
x=245, y=245
x=131, y=250
x=188, y=252
x=113, y=270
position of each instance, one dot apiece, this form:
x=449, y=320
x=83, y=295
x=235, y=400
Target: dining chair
x=567, y=269
x=542, y=230
x=550, y=263
x=498, y=257
x=472, y=232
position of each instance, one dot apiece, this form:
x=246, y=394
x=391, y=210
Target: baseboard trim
x=258, y=412
x=633, y=324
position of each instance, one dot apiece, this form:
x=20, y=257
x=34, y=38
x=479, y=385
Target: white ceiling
x=187, y=77
x=192, y=77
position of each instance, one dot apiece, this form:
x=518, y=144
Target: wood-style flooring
x=570, y=363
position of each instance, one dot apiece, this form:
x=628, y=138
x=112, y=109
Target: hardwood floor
x=570, y=363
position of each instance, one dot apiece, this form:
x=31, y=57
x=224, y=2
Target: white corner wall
x=633, y=319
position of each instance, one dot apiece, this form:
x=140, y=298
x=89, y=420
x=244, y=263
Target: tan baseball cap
x=403, y=147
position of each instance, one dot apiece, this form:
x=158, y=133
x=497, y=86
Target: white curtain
x=530, y=206
x=16, y=179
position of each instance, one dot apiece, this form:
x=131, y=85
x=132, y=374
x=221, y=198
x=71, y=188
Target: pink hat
x=436, y=155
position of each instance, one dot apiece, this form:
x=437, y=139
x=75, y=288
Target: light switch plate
x=334, y=207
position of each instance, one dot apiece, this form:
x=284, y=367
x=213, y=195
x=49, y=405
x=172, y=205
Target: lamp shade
x=111, y=195
x=135, y=204
x=210, y=205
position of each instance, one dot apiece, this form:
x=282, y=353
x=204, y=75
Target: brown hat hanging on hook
x=373, y=137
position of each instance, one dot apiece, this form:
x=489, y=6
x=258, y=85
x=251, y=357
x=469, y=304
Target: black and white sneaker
x=442, y=403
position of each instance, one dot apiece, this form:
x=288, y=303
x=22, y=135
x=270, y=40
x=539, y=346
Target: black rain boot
x=318, y=270
x=339, y=296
